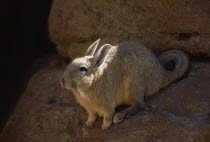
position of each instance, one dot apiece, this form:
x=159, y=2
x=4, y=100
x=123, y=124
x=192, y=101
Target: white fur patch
x=82, y=95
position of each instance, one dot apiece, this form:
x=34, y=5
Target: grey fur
x=121, y=74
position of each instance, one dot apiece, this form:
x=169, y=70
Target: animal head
x=81, y=72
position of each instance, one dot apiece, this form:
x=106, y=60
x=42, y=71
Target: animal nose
x=62, y=82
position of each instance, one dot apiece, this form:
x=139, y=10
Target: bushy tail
x=181, y=62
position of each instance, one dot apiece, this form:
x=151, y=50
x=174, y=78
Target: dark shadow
x=25, y=38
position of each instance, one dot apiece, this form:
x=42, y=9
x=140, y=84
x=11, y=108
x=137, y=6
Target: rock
x=159, y=25
x=46, y=112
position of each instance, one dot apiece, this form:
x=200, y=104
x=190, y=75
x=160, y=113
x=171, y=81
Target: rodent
x=121, y=74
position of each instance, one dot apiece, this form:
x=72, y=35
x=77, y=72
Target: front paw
x=89, y=123
x=106, y=126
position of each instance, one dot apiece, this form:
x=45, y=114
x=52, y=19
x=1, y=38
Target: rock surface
x=46, y=112
x=160, y=25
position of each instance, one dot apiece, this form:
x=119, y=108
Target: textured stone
x=48, y=113
x=159, y=25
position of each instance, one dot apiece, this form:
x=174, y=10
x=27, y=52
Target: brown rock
x=46, y=112
x=159, y=25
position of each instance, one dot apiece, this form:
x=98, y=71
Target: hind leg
x=136, y=100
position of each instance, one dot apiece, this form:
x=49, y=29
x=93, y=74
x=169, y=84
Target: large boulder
x=48, y=113
x=159, y=25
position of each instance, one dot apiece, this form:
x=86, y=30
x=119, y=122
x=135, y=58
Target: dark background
x=24, y=38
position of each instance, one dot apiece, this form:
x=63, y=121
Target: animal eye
x=83, y=69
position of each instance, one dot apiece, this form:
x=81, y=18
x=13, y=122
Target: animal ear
x=91, y=50
x=102, y=55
